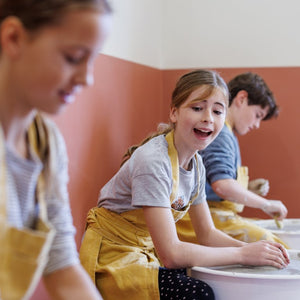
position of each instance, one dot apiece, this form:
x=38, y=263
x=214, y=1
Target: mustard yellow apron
x=117, y=250
x=23, y=251
x=226, y=218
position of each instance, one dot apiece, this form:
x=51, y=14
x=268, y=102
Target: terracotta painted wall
x=122, y=107
x=128, y=101
x=119, y=110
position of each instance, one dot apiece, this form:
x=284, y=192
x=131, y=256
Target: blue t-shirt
x=221, y=160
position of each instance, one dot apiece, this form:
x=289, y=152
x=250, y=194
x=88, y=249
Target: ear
x=173, y=115
x=12, y=34
x=240, y=98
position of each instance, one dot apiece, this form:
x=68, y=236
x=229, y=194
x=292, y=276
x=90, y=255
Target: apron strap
x=37, y=137
x=174, y=163
x=173, y=155
x=38, y=140
x=3, y=186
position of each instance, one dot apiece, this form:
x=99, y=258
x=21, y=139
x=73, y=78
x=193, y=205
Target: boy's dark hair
x=258, y=92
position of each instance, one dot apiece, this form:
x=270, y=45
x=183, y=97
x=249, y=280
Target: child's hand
x=275, y=208
x=259, y=186
x=265, y=253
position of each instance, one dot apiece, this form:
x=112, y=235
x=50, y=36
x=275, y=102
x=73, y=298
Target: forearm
x=217, y=238
x=205, y=256
x=205, y=230
x=231, y=190
x=258, y=253
x=71, y=283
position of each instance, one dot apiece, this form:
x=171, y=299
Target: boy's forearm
x=231, y=190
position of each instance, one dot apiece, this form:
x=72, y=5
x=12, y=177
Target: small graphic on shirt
x=178, y=204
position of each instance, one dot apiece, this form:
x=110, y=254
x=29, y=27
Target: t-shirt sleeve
x=151, y=180
x=63, y=252
x=219, y=159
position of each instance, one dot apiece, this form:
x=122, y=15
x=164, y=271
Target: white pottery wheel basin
x=237, y=282
x=290, y=233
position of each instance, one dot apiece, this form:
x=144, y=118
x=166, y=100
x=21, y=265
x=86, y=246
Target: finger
x=283, y=213
x=284, y=253
x=275, y=262
x=263, y=192
x=276, y=258
x=279, y=251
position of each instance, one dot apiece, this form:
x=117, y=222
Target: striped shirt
x=22, y=175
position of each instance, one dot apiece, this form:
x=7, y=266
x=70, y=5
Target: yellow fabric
x=172, y=152
x=228, y=207
x=185, y=230
x=226, y=218
x=23, y=251
x=118, y=253
x=117, y=250
x=243, y=229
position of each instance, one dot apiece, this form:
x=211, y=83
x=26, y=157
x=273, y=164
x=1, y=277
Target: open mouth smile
x=202, y=132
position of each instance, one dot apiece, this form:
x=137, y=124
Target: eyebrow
x=220, y=103
x=204, y=100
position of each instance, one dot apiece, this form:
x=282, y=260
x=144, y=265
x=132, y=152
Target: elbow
x=169, y=263
x=170, y=260
x=222, y=188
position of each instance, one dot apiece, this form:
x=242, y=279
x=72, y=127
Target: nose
x=207, y=116
x=85, y=76
x=257, y=124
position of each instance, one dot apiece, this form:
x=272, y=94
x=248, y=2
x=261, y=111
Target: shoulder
x=53, y=130
x=55, y=138
x=224, y=142
x=151, y=156
x=199, y=161
x=224, y=136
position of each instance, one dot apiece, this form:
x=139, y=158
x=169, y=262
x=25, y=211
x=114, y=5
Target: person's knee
x=205, y=291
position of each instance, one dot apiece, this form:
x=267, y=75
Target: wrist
x=239, y=255
x=265, y=206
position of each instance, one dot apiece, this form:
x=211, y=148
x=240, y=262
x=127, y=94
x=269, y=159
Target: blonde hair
x=210, y=80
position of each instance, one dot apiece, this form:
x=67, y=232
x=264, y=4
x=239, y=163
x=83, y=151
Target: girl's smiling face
x=199, y=120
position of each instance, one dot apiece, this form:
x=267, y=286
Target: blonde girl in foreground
x=131, y=248
x=48, y=48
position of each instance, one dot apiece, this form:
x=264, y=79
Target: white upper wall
x=137, y=32
x=179, y=34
